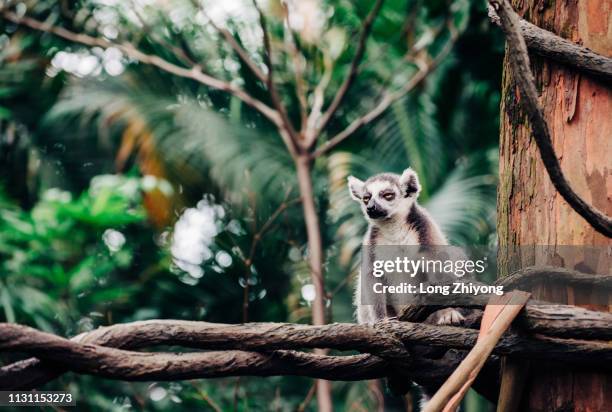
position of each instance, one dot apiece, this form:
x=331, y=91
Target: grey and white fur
x=389, y=204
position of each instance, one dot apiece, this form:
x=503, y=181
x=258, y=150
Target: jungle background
x=129, y=194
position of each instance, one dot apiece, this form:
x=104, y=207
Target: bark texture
x=546, y=44
x=264, y=349
x=531, y=212
x=303, y=166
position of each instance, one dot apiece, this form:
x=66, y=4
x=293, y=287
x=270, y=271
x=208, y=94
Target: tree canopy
x=128, y=193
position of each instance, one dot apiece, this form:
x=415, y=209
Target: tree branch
x=145, y=366
x=566, y=322
x=277, y=102
x=194, y=73
x=366, y=29
x=530, y=276
x=386, y=340
x=233, y=43
x=519, y=61
x=300, y=88
x=389, y=98
x=318, y=99
x=248, y=261
x=283, y=124
x=178, y=52
x=32, y=372
x=550, y=46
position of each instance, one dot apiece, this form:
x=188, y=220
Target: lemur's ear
x=409, y=183
x=355, y=188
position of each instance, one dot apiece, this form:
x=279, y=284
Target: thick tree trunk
x=530, y=211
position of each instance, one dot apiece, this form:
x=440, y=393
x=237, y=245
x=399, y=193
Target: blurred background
x=128, y=194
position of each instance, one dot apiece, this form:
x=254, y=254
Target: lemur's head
x=385, y=195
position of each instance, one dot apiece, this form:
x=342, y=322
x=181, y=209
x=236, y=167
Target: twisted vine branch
x=265, y=349
x=550, y=46
x=519, y=61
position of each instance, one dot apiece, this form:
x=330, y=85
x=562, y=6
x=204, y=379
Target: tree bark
x=239, y=349
x=535, y=224
x=303, y=165
x=547, y=45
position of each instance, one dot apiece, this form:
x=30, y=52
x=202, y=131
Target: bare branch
x=408, y=31
x=206, y=398
x=366, y=29
x=387, y=340
x=566, y=322
x=266, y=38
x=310, y=132
x=300, y=88
x=248, y=262
x=194, y=73
x=277, y=102
x=32, y=373
x=533, y=275
x=146, y=366
x=550, y=46
x=388, y=99
x=282, y=207
x=306, y=401
x=233, y=43
x=284, y=125
x=178, y=52
x=519, y=61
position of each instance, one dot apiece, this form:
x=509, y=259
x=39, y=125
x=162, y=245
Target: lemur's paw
x=449, y=316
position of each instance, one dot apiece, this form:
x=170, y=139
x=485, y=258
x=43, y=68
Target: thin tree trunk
x=315, y=259
x=534, y=222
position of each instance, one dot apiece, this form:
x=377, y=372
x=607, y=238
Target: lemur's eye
x=366, y=198
x=389, y=196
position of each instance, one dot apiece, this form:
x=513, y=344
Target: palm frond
x=464, y=205
x=194, y=142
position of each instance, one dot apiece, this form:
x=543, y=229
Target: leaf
x=196, y=143
x=5, y=113
x=9, y=313
x=464, y=205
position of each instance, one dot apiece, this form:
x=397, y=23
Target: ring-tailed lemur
x=389, y=204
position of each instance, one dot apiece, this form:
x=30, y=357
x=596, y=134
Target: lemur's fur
x=389, y=204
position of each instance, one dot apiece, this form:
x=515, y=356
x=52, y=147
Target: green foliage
x=93, y=153
x=58, y=258
x=239, y=159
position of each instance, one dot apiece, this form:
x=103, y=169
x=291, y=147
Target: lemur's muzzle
x=375, y=212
